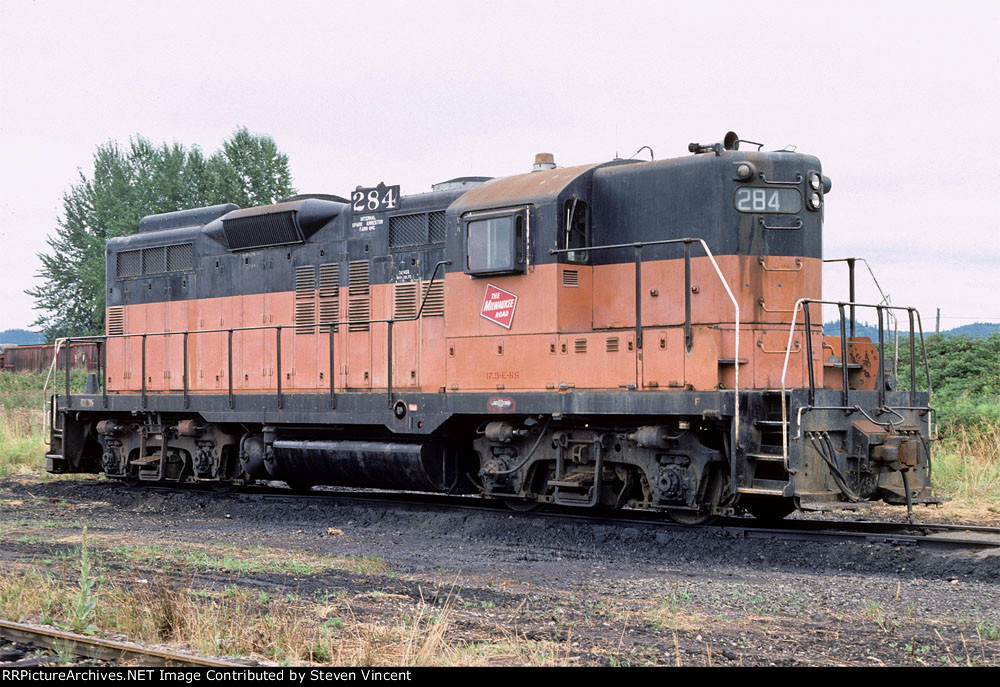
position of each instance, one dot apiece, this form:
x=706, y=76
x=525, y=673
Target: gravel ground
x=572, y=592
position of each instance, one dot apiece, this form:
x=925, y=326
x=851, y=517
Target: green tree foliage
x=127, y=184
x=965, y=377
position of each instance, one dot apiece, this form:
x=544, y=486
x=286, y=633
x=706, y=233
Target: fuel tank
x=419, y=466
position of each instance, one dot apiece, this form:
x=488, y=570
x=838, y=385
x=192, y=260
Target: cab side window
x=494, y=243
x=575, y=232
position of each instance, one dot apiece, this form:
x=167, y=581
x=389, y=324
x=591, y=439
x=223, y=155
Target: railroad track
x=931, y=535
x=61, y=642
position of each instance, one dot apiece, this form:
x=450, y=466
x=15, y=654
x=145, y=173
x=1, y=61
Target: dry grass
x=239, y=622
x=967, y=465
x=23, y=430
x=22, y=441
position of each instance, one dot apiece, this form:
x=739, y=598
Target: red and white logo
x=498, y=306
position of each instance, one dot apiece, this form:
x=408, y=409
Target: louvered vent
x=129, y=263
x=571, y=278
x=305, y=299
x=580, y=345
x=116, y=320
x=358, y=296
x=257, y=231
x=612, y=344
x=404, y=300
x=329, y=294
x=434, y=300
x=435, y=221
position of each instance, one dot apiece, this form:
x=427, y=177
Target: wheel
x=691, y=518
x=770, y=510
x=522, y=506
x=224, y=487
x=713, y=494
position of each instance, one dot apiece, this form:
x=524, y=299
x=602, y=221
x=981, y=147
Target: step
x=732, y=361
x=759, y=491
x=574, y=480
x=765, y=487
x=766, y=457
x=850, y=366
x=776, y=424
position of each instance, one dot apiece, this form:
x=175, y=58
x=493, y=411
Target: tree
x=128, y=184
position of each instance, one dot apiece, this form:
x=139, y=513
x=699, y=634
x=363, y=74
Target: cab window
x=575, y=231
x=494, y=244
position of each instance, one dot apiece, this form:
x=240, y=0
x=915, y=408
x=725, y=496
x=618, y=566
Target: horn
x=731, y=141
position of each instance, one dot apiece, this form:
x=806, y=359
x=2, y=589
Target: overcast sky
x=899, y=100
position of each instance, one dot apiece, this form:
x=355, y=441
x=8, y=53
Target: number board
x=755, y=199
x=365, y=202
x=378, y=199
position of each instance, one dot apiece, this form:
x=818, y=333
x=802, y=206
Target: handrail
x=846, y=392
x=638, y=246
x=104, y=338
x=885, y=299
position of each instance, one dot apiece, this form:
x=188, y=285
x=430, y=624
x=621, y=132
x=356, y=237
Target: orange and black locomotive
x=643, y=334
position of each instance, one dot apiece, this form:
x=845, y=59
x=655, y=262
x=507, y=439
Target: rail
x=106, y=649
x=881, y=309
x=688, y=338
x=332, y=328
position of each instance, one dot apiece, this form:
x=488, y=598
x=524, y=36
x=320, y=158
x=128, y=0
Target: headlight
x=744, y=170
x=815, y=181
x=814, y=201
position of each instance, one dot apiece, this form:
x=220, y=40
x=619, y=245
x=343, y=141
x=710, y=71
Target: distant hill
x=20, y=337
x=974, y=330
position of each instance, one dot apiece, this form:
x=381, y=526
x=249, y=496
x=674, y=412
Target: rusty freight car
x=629, y=333
x=38, y=357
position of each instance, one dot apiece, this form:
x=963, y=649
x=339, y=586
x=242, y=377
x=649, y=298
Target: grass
x=967, y=464
x=235, y=621
x=23, y=430
x=246, y=560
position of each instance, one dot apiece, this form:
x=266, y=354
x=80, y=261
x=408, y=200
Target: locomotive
x=631, y=333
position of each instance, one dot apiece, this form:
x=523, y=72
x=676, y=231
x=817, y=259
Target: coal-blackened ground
x=346, y=581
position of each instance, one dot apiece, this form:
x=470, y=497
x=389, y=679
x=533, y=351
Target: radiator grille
x=129, y=263
x=416, y=229
x=116, y=320
x=329, y=294
x=436, y=224
x=180, y=257
x=434, y=303
x=580, y=345
x=407, y=230
x=358, y=296
x=571, y=278
x=404, y=300
x=305, y=299
x=612, y=344
x=256, y=231
x=155, y=260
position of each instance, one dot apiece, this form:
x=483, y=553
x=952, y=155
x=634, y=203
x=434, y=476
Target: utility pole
x=937, y=327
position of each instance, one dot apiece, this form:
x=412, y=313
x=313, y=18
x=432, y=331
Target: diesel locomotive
x=632, y=333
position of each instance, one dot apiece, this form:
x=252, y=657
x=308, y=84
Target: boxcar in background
x=38, y=357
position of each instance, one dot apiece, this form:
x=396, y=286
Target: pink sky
x=898, y=99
